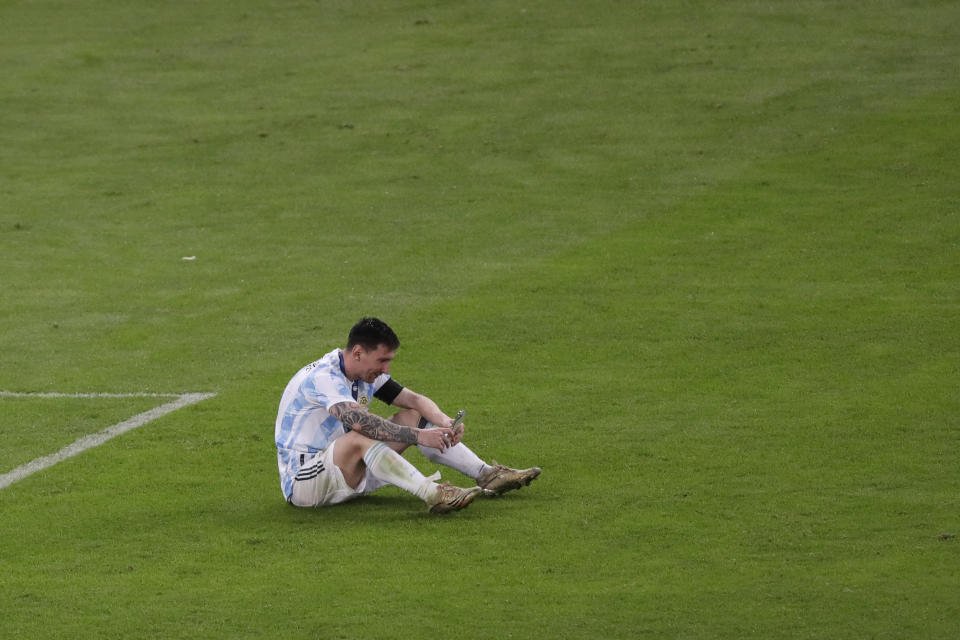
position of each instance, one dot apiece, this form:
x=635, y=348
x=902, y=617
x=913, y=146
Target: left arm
x=423, y=405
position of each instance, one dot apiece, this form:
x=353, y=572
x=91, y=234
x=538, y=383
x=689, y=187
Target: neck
x=345, y=367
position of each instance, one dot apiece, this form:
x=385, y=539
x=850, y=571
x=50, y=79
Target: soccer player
x=331, y=449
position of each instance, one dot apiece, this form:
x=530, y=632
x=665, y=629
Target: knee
x=407, y=418
x=352, y=446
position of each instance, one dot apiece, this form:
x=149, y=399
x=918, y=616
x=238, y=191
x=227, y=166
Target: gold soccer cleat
x=501, y=479
x=450, y=498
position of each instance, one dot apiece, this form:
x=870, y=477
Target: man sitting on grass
x=331, y=449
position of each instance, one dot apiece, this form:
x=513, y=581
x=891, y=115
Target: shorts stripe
x=308, y=473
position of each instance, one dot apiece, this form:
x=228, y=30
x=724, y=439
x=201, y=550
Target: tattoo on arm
x=370, y=425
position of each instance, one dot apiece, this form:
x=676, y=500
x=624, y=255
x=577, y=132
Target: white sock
x=389, y=466
x=458, y=457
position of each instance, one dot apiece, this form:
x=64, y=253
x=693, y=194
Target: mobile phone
x=458, y=422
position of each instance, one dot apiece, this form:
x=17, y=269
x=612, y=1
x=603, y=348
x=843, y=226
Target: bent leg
x=348, y=456
x=355, y=455
x=458, y=457
x=496, y=478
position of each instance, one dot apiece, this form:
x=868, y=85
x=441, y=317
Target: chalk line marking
x=16, y=394
x=96, y=439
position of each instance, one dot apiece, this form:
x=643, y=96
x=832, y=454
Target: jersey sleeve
x=326, y=388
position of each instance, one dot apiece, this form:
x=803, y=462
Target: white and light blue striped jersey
x=304, y=424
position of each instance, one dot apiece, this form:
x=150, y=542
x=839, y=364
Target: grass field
x=697, y=260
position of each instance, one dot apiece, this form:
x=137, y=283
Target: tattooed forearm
x=377, y=428
x=372, y=426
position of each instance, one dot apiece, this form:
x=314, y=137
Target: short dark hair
x=370, y=333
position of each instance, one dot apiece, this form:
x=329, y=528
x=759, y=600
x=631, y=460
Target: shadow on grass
x=390, y=509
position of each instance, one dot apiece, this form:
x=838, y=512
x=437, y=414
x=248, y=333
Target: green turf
x=35, y=426
x=697, y=260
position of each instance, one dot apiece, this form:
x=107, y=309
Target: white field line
x=96, y=439
x=15, y=394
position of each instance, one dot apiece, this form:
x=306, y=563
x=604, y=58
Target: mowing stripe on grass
x=96, y=439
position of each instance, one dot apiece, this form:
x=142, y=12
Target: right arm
x=377, y=428
x=371, y=425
